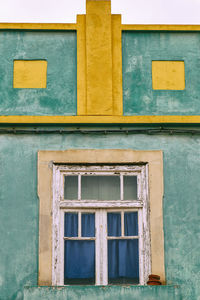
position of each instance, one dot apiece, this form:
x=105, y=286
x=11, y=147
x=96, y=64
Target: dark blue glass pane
x=88, y=225
x=114, y=224
x=131, y=223
x=123, y=261
x=79, y=259
x=71, y=225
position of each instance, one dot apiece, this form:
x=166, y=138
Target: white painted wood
x=56, y=238
x=79, y=224
x=104, y=253
x=80, y=238
x=123, y=237
x=141, y=249
x=100, y=204
x=98, y=247
x=121, y=187
x=122, y=223
x=101, y=208
x=61, y=261
x=79, y=187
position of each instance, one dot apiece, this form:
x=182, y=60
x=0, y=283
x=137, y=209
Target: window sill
x=164, y=292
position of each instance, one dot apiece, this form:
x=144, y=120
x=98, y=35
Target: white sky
x=133, y=11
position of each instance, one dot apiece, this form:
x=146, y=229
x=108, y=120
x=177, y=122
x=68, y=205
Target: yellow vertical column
x=99, y=61
x=99, y=57
x=117, y=65
x=81, y=66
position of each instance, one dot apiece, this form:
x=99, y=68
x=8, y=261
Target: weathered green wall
x=100, y=293
x=19, y=211
x=59, y=49
x=138, y=50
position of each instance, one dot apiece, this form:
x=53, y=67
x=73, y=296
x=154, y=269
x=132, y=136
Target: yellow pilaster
x=117, y=65
x=99, y=57
x=81, y=66
x=99, y=61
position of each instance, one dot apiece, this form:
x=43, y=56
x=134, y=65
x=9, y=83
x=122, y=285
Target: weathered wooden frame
x=60, y=206
x=46, y=160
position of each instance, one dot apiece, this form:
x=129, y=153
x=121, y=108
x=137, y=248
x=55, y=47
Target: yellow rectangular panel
x=30, y=74
x=168, y=75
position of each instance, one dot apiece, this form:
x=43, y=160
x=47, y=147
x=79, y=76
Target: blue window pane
x=88, y=225
x=131, y=223
x=123, y=261
x=79, y=264
x=114, y=224
x=71, y=225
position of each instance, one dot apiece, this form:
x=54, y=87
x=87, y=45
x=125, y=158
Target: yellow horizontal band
x=98, y=119
x=39, y=26
x=73, y=26
x=161, y=27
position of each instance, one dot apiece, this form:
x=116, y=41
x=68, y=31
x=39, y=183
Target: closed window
x=100, y=225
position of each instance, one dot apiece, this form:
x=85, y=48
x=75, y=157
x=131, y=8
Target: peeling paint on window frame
x=60, y=206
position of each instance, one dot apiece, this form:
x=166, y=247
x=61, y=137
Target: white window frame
x=60, y=206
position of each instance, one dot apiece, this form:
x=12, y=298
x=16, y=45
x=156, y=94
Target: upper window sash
x=122, y=171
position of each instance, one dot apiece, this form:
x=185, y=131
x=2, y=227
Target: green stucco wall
x=138, y=51
x=19, y=213
x=59, y=49
x=100, y=293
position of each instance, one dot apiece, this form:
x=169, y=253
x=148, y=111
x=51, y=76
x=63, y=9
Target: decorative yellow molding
x=99, y=60
x=81, y=65
x=117, y=65
x=99, y=119
x=99, y=57
x=73, y=26
x=39, y=26
x=161, y=27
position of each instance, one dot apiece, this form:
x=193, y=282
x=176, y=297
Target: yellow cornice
x=73, y=26
x=99, y=119
x=160, y=27
x=39, y=26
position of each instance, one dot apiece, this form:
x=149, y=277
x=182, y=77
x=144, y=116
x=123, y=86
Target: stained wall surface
x=139, y=49
x=59, y=50
x=20, y=205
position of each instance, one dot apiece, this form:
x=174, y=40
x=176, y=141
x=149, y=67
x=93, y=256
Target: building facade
x=99, y=156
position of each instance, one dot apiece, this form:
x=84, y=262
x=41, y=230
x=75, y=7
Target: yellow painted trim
x=81, y=65
x=161, y=27
x=39, y=26
x=117, y=65
x=99, y=57
x=73, y=26
x=154, y=159
x=98, y=119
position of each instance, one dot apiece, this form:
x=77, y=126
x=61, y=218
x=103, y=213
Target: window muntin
x=93, y=186
x=131, y=266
